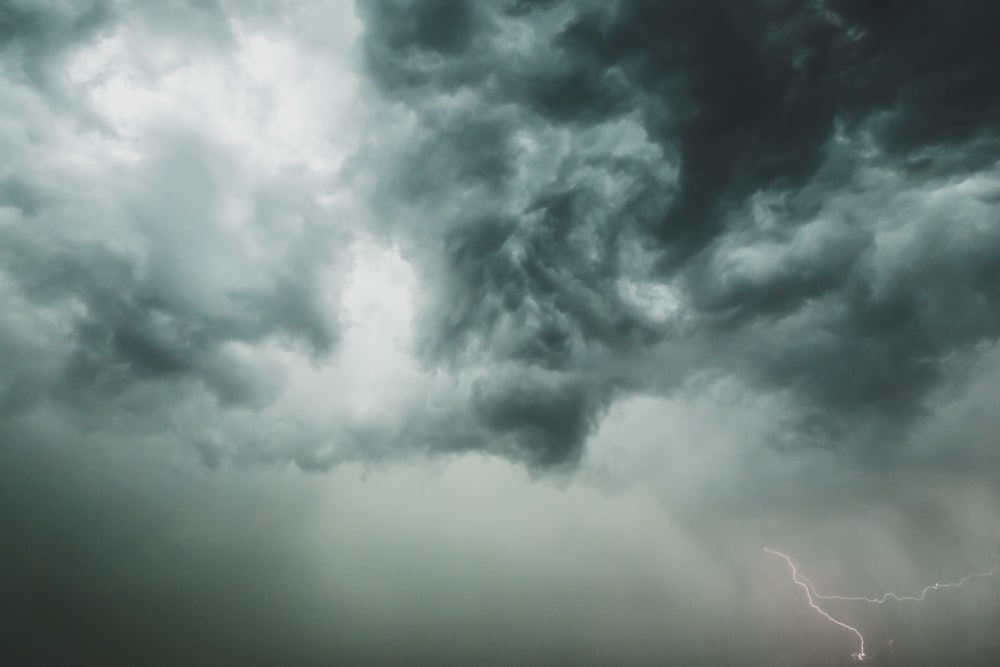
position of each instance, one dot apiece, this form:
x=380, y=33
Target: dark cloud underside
x=782, y=143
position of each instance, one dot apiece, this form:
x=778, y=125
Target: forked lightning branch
x=812, y=596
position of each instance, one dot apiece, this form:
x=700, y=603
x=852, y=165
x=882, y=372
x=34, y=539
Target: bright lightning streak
x=808, y=587
x=910, y=598
x=812, y=595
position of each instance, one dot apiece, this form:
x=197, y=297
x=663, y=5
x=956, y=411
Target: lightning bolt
x=812, y=595
x=910, y=598
x=808, y=587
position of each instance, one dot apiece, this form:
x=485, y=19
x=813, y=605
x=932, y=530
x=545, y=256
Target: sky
x=448, y=332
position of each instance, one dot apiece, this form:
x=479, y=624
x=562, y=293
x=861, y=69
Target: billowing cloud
x=803, y=225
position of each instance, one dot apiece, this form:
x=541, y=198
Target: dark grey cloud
x=931, y=88
x=754, y=193
x=34, y=37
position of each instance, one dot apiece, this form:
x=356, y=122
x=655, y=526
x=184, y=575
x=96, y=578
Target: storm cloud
x=808, y=225
x=499, y=333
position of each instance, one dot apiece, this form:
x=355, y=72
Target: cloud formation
x=812, y=228
x=503, y=333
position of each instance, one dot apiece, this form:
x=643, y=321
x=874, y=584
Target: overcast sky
x=448, y=332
